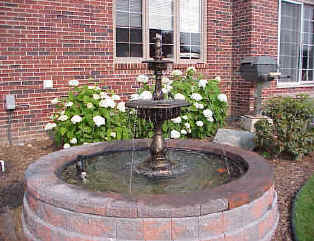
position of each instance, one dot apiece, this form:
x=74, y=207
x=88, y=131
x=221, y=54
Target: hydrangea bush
x=208, y=106
x=90, y=114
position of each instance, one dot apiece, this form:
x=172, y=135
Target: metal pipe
x=9, y=126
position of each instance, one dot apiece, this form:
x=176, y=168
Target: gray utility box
x=258, y=68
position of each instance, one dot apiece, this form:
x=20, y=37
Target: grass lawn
x=304, y=212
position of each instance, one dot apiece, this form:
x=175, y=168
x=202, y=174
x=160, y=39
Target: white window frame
x=299, y=82
x=145, y=22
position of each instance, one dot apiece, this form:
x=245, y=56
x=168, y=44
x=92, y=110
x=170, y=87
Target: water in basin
x=110, y=172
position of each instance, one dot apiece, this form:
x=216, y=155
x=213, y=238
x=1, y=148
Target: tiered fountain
x=216, y=192
x=157, y=111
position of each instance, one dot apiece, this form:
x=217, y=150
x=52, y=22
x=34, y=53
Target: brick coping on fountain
x=244, y=209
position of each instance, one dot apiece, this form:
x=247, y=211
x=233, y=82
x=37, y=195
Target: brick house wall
x=63, y=40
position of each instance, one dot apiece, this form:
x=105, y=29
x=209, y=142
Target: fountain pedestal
x=157, y=111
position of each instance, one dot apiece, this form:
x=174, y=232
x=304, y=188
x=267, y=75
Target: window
x=296, y=50
x=129, y=39
x=179, y=22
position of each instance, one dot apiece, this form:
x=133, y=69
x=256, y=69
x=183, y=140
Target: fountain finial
x=158, y=53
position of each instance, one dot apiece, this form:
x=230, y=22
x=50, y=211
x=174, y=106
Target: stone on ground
x=237, y=138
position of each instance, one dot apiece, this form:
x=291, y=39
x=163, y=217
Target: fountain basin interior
x=193, y=171
x=243, y=209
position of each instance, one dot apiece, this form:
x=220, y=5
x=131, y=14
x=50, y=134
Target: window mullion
x=176, y=30
x=145, y=10
x=203, y=25
x=301, y=44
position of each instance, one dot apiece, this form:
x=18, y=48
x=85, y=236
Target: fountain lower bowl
x=157, y=110
x=244, y=209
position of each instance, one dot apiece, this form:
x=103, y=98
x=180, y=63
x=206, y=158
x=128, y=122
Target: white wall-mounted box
x=48, y=84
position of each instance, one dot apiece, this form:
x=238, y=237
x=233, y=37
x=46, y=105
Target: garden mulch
x=289, y=178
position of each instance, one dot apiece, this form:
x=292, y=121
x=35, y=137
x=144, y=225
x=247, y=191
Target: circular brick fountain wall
x=242, y=210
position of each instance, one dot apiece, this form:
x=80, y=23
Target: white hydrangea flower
x=176, y=72
x=55, y=101
x=222, y=98
x=183, y=132
x=103, y=95
x=191, y=68
x=175, y=134
x=146, y=95
x=167, y=89
x=142, y=78
x=207, y=113
x=107, y=103
x=73, y=140
x=66, y=145
x=96, y=96
x=50, y=126
x=133, y=112
x=210, y=119
x=199, y=123
x=177, y=120
x=99, y=121
x=68, y=104
x=218, y=78
x=74, y=82
x=121, y=106
x=90, y=105
x=199, y=106
x=202, y=83
x=166, y=81
x=92, y=87
x=116, y=97
x=134, y=97
x=179, y=96
x=189, y=131
x=113, y=134
x=185, y=117
x=76, y=119
x=63, y=117
x=196, y=96
x=187, y=125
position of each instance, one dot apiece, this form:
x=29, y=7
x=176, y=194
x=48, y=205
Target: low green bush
x=288, y=131
x=90, y=114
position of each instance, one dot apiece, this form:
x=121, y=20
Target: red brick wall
x=255, y=32
x=242, y=35
x=50, y=40
x=70, y=39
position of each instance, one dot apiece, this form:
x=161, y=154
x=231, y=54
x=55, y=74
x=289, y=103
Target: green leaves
x=90, y=101
x=85, y=105
x=288, y=132
x=188, y=85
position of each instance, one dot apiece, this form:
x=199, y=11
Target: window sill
x=294, y=85
x=140, y=66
